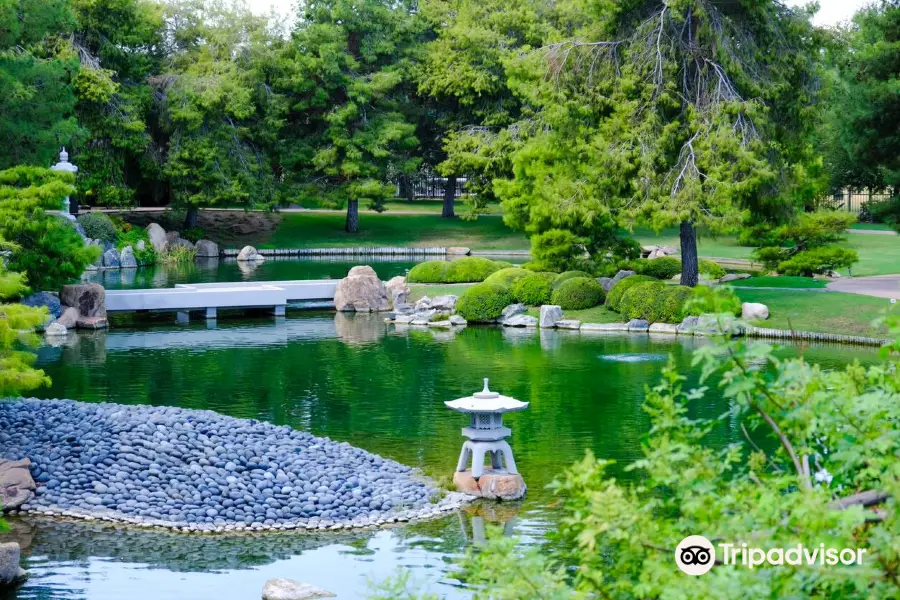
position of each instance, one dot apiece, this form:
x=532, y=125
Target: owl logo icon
x=695, y=555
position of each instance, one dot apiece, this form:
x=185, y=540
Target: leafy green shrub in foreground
x=615, y=294
x=147, y=256
x=432, y=271
x=533, y=290
x=578, y=293
x=564, y=277
x=507, y=277
x=483, y=302
x=99, y=226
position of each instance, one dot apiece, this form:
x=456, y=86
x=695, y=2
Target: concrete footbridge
x=208, y=298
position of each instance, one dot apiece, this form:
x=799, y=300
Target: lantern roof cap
x=64, y=164
x=486, y=401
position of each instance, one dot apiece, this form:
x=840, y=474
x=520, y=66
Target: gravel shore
x=199, y=471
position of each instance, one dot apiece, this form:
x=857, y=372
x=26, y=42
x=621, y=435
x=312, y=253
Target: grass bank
x=312, y=230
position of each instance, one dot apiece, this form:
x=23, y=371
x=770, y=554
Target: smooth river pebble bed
x=195, y=470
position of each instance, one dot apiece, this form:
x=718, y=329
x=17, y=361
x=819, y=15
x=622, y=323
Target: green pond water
x=382, y=388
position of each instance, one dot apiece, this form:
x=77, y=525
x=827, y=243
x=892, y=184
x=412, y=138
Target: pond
x=354, y=379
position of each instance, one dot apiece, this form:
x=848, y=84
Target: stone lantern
x=487, y=438
x=66, y=167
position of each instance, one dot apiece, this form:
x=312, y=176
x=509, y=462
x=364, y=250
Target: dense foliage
x=623, y=285
x=578, y=293
x=816, y=464
x=483, y=302
x=465, y=270
x=45, y=248
x=806, y=246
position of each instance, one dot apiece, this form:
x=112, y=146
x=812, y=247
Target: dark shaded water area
x=379, y=387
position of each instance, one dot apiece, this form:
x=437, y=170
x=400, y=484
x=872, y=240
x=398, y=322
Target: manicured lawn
x=707, y=245
x=829, y=312
x=597, y=314
x=875, y=226
x=305, y=230
x=782, y=282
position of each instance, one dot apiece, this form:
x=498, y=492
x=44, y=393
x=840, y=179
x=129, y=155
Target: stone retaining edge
x=450, y=502
x=378, y=250
x=759, y=332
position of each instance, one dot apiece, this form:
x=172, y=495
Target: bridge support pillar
x=279, y=310
x=211, y=312
x=183, y=316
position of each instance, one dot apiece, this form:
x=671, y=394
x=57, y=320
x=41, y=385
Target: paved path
x=880, y=286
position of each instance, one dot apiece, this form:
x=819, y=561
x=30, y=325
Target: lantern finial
x=486, y=390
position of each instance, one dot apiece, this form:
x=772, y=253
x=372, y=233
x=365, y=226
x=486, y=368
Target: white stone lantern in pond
x=487, y=438
x=66, y=167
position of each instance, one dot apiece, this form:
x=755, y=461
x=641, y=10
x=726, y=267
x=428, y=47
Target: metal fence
x=855, y=201
x=431, y=186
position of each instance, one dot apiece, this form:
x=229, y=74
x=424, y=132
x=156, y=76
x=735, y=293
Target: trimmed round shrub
x=711, y=269
x=664, y=267
x=670, y=306
x=534, y=289
x=470, y=269
x=578, y=293
x=507, y=277
x=483, y=302
x=99, y=226
x=637, y=301
x=615, y=294
x=564, y=277
x=432, y=271
x=503, y=264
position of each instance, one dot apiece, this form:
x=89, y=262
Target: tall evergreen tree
x=347, y=134
x=687, y=112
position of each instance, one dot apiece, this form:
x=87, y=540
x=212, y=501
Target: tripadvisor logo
x=696, y=555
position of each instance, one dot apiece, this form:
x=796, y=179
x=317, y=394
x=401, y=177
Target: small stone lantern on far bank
x=66, y=167
x=487, y=438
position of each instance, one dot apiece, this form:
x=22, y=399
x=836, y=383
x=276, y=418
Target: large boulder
x=127, y=259
x=492, y=485
x=207, y=249
x=157, y=237
x=69, y=317
x=444, y=303
x=511, y=311
x=16, y=484
x=751, y=311
x=619, y=277
x=288, y=589
x=249, y=254
x=361, y=291
x=733, y=277
x=521, y=321
x=550, y=314
x=10, y=571
x=111, y=259
x=88, y=298
x=397, y=290
x=180, y=241
x=56, y=329
x=54, y=307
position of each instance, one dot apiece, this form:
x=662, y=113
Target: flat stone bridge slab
x=209, y=297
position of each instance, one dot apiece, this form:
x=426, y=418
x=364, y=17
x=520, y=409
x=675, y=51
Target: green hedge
x=98, y=226
x=615, y=294
x=483, y=302
x=578, y=293
x=664, y=267
x=533, y=290
x=471, y=269
x=711, y=269
x=564, y=277
x=658, y=302
x=507, y=277
x=432, y=271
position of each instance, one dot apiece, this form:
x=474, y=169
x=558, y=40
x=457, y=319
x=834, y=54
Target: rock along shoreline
x=199, y=471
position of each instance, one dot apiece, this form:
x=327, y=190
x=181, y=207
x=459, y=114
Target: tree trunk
x=690, y=267
x=352, y=216
x=449, y=197
x=190, y=218
x=406, y=188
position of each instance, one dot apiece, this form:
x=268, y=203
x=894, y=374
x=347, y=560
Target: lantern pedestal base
x=494, y=484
